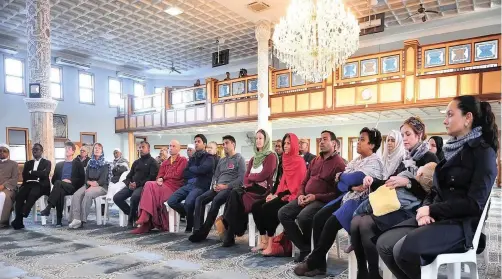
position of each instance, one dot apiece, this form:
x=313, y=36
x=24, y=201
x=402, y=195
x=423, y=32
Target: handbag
x=281, y=246
x=384, y=201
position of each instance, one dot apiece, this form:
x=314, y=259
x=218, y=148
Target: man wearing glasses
x=8, y=185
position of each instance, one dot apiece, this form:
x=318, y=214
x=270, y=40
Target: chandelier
x=313, y=40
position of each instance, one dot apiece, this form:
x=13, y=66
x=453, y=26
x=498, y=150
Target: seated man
x=317, y=189
x=144, y=169
x=118, y=166
x=35, y=184
x=198, y=174
x=68, y=177
x=8, y=185
x=152, y=211
x=228, y=174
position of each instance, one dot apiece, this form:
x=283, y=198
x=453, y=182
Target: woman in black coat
x=461, y=187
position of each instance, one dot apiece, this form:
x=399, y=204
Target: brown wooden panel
x=190, y=115
x=140, y=121
x=345, y=97
x=120, y=123
x=427, y=88
x=156, y=119
x=469, y=84
x=218, y=112
x=447, y=86
x=410, y=88
x=317, y=100
x=276, y=104
x=132, y=121
x=180, y=116
x=200, y=114
x=148, y=120
x=390, y=92
x=410, y=60
x=229, y=110
x=491, y=82
x=253, y=107
x=374, y=94
x=242, y=109
x=302, y=103
x=171, y=116
x=289, y=103
x=329, y=97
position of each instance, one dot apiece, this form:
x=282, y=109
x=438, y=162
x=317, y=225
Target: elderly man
x=152, y=212
x=190, y=150
x=118, y=166
x=8, y=185
x=36, y=183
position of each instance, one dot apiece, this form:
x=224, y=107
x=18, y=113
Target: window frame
x=93, y=134
x=23, y=77
x=60, y=83
x=27, y=140
x=93, y=88
x=121, y=90
x=134, y=89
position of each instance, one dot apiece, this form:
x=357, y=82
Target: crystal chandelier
x=313, y=39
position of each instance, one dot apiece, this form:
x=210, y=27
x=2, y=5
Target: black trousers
x=325, y=229
x=56, y=197
x=299, y=234
x=217, y=199
x=120, y=200
x=362, y=231
x=402, y=248
x=27, y=196
x=265, y=215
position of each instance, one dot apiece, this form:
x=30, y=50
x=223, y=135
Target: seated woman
x=265, y=211
x=364, y=228
x=258, y=182
x=163, y=155
x=152, y=212
x=461, y=187
x=97, y=176
x=436, y=146
x=337, y=214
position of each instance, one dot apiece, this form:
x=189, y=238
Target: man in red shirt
x=317, y=189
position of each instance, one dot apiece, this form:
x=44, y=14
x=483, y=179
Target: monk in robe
x=8, y=185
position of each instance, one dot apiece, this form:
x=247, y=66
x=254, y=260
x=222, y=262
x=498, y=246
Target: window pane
x=139, y=90
x=86, y=95
x=157, y=101
x=14, y=67
x=159, y=90
x=114, y=86
x=17, y=137
x=14, y=84
x=85, y=80
x=114, y=99
x=59, y=152
x=89, y=139
x=56, y=90
x=17, y=153
x=55, y=75
x=138, y=103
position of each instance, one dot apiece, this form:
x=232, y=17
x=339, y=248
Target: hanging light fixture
x=316, y=37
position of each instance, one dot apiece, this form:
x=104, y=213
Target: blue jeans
x=348, y=180
x=189, y=193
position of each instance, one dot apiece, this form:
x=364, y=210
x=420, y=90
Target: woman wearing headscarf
x=393, y=153
x=265, y=211
x=258, y=182
x=96, y=185
x=436, y=146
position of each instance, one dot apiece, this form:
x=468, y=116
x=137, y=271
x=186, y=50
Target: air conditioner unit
x=8, y=49
x=71, y=63
x=372, y=24
x=131, y=76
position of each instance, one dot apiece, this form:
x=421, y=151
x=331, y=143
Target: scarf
x=259, y=156
x=293, y=165
x=392, y=159
x=371, y=166
x=198, y=154
x=411, y=158
x=439, y=146
x=455, y=145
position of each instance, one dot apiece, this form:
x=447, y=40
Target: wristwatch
x=408, y=186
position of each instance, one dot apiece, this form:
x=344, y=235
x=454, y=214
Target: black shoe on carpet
x=46, y=212
x=59, y=225
x=197, y=236
x=188, y=230
x=17, y=224
x=301, y=257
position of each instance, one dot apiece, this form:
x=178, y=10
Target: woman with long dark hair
x=461, y=187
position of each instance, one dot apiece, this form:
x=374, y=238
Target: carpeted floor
x=112, y=252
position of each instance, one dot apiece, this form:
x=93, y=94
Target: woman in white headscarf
x=393, y=153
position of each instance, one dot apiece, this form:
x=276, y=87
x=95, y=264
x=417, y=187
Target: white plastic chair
x=454, y=260
x=66, y=211
x=174, y=219
x=101, y=219
x=109, y=201
x=353, y=267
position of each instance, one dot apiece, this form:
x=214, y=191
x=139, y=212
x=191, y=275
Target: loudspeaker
x=34, y=90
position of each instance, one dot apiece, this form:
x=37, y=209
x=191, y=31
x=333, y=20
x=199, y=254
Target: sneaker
x=75, y=224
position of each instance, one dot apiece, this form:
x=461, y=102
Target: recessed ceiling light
x=174, y=11
x=201, y=130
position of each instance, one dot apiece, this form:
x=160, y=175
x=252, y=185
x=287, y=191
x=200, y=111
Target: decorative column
x=262, y=32
x=39, y=68
x=410, y=70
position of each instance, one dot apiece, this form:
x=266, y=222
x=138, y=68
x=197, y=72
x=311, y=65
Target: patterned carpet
x=112, y=252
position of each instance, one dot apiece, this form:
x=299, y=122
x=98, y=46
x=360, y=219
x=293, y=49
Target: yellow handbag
x=384, y=200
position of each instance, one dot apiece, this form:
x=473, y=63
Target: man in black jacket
x=144, y=169
x=304, y=151
x=198, y=173
x=68, y=177
x=35, y=184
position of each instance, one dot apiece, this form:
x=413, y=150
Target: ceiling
x=425, y=113
x=140, y=35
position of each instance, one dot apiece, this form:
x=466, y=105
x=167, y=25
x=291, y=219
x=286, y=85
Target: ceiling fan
x=422, y=11
x=173, y=69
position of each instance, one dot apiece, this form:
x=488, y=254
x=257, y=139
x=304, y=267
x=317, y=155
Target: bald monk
x=8, y=185
x=152, y=212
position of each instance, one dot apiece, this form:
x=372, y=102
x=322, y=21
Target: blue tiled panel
x=390, y=64
x=282, y=80
x=434, y=57
x=224, y=90
x=459, y=54
x=297, y=80
x=369, y=67
x=238, y=88
x=350, y=70
x=252, y=85
x=486, y=50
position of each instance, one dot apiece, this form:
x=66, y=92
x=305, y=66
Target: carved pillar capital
x=41, y=105
x=263, y=31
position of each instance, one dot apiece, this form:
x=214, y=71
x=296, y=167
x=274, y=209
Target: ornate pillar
x=262, y=32
x=39, y=68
